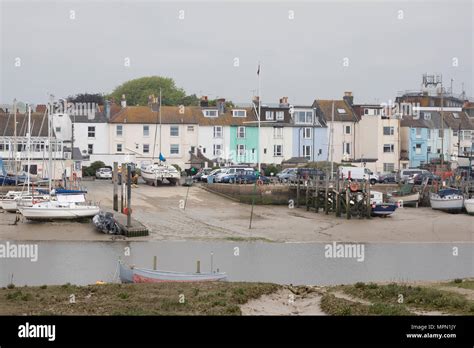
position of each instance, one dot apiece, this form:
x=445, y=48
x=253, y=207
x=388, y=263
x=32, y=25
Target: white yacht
x=156, y=173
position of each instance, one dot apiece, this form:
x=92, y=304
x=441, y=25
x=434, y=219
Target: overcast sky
x=302, y=58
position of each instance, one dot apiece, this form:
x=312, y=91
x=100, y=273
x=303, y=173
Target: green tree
x=138, y=90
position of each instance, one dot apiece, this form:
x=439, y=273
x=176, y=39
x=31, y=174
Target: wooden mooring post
x=115, y=183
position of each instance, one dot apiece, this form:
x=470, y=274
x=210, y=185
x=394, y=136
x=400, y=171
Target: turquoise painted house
x=244, y=144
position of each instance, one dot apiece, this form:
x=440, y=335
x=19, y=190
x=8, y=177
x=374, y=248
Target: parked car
x=406, y=175
x=388, y=178
x=358, y=173
x=418, y=179
x=203, y=171
x=103, y=173
x=287, y=174
x=213, y=173
x=245, y=176
x=230, y=170
x=313, y=173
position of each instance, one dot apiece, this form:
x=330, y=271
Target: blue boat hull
x=384, y=209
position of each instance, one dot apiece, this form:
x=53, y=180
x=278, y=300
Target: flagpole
x=259, y=119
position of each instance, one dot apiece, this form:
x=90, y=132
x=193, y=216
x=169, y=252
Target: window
x=137, y=146
x=190, y=128
x=440, y=133
x=90, y=149
x=217, y=131
x=429, y=134
x=146, y=148
x=193, y=149
x=269, y=115
x=58, y=129
x=347, y=129
x=304, y=117
x=174, y=131
x=388, y=167
x=306, y=133
x=307, y=151
x=241, y=132
x=280, y=115
x=277, y=132
x=427, y=116
x=241, y=150
x=418, y=149
x=429, y=149
x=91, y=132
x=455, y=115
x=418, y=132
x=341, y=111
x=388, y=130
x=366, y=111
x=119, y=130
x=119, y=148
x=346, y=148
x=277, y=150
x=210, y=113
x=466, y=135
x=174, y=149
x=217, y=149
x=388, y=148
x=455, y=133
x=239, y=113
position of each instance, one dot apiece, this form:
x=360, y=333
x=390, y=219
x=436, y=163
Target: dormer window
x=210, y=113
x=269, y=115
x=305, y=117
x=239, y=113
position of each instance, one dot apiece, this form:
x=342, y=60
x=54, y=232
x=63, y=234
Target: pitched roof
x=178, y=115
x=325, y=107
x=39, y=125
x=461, y=121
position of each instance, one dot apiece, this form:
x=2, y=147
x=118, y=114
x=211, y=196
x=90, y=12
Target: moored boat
x=143, y=275
x=66, y=207
x=469, y=205
x=405, y=196
x=379, y=208
x=449, y=200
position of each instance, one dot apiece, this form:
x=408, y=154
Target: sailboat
x=14, y=199
x=66, y=206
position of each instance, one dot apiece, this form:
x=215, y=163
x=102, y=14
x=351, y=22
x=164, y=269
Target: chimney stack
x=107, y=109
x=348, y=98
x=220, y=103
x=123, y=102
x=204, y=102
x=284, y=102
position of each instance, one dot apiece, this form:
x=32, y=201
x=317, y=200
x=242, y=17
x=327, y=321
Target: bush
x=271, y=169
x=90, y=171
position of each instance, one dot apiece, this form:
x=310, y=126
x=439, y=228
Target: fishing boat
x=405, y=196
x=65, y=207
x=154, y=174
x=142, y=275
x=450, y=200
x=469, y=205
x=379, y=208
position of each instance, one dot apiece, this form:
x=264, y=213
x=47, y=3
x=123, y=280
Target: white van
x=358, y=173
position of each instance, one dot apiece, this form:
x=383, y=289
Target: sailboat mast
x=332, y=140
x=159, y=111
x=14, y=143
x=50, y=162
x=259, y=119
x=28, y=142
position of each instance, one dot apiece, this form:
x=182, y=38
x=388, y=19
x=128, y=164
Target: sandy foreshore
x=209, y=216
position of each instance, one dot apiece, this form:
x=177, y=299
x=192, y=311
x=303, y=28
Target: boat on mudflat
x=469, y=205
x=405, y=196
x=143, y=275
x=379, y=208
x=449, y=200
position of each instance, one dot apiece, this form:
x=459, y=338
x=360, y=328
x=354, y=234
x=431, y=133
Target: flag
x=162, y=158
x=258, y=71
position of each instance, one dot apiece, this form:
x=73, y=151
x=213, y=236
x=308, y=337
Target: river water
x=285, y=263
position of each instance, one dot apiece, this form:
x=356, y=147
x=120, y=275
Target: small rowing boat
x=143, y=275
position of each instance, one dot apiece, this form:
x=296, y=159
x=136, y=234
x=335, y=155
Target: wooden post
x=129, y=196
x=297, y=191
x=253, y=203
x=348, y=204
x=326, y=198
x=307, y=196
x=186, y=199
x=154, y=263
x=369, y=206
x=115, y=182
x=198, y=266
